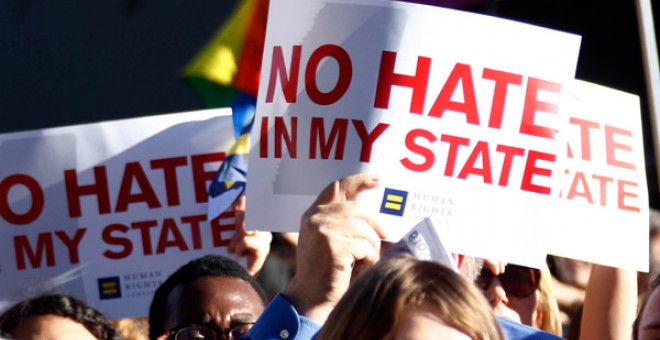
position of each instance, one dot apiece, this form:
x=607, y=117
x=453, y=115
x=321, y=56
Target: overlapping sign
x=106, y=211
x=603, y=213
x=457, y=113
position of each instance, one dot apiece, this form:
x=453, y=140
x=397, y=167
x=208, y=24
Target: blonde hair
x=547, y=308
x=133, y=328
x=374, y=305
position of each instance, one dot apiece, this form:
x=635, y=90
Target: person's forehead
x=212, y=297
x=211, y=285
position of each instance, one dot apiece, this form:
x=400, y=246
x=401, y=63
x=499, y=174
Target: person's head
x=647, y=323
x=513, y=294
x=405, y=298
x=209, y=294
x=55, y=316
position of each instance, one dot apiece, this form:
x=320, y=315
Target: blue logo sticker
x=109, y=288
x=394, y=202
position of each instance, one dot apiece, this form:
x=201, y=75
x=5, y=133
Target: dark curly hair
x=59, y=305
x=208, y=265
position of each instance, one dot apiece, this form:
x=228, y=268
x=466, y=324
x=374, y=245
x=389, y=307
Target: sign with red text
x=106, y=211
x=603, y=214
x=457, y=113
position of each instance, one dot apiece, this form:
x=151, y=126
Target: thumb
x=346, y=188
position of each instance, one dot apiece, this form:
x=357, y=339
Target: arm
x=335, y=241
x=610, y=304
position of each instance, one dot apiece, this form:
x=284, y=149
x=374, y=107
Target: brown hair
x=373, y=306
x=59, y=305
x=133, y=328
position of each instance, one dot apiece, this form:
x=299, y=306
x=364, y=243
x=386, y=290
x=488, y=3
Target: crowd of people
x=343, y=289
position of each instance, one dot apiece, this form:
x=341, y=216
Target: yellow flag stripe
x=218, y=61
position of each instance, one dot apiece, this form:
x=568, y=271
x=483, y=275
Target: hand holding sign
x=253, y=245
x=454, y=120
x=335, y=238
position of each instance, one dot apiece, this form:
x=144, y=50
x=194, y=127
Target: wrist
x=307, y=303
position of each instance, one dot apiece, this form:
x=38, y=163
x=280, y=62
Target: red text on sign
x=325, y=135
x=188, y=233
x=616, y=141
x=462, y=75
x=136, y=187
x=478, y=160
x=44, y=249
x=36, y=195
x=288, y=76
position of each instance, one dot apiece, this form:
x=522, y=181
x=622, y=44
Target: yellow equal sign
x=109, y=288
x=393, y=202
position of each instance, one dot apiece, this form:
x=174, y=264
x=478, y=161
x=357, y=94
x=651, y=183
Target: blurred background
x=70, y=62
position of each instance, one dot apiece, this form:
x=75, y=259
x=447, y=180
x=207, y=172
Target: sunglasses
x=516, y=280
x=198, y=332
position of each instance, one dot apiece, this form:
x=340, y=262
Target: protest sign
x=456, y=112
x=425, y=242
x=603, y=213
x=106, y=211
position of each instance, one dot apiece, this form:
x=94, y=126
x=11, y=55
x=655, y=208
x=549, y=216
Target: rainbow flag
x=226, y=74
x=229, y=182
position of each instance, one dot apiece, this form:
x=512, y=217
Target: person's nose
x=496, y=293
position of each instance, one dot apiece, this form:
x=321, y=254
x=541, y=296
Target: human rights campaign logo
x=394, y=202
x=109, y=288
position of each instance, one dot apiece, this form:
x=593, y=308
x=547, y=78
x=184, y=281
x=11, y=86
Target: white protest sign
x=456, y=112
x=603, y=216
x=106, y=211
x=425, y=242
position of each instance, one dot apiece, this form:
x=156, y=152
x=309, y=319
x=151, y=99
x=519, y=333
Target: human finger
x=363, y=251
x=346, y=188
x=254, y=242
x=357, y=228
x=235, y=240
x=496, y=267
x=349, y=210
x=238, y=208
x=239, y=204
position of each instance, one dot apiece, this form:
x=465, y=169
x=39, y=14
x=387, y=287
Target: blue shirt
x=281, y=321
x=517, y=331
